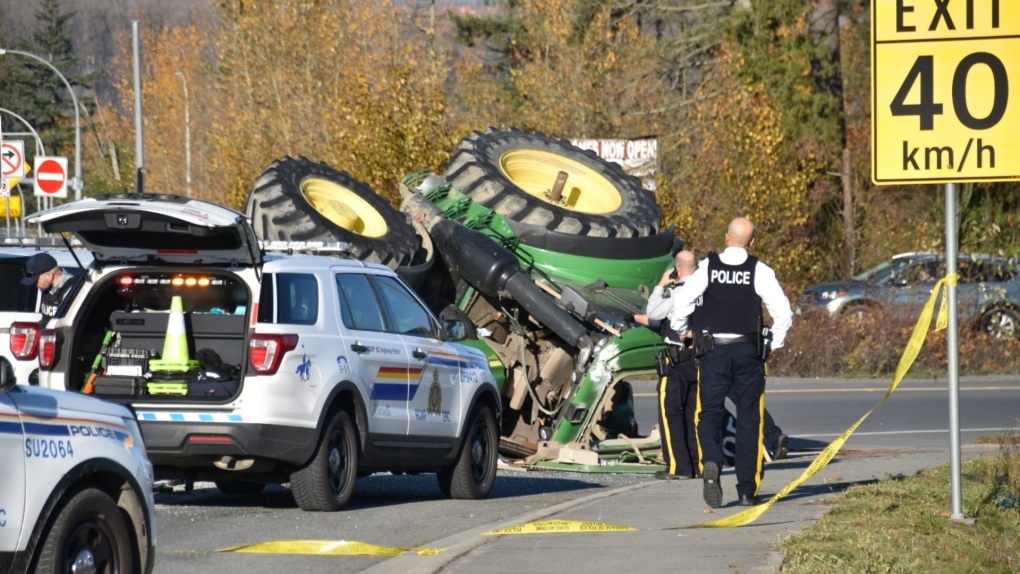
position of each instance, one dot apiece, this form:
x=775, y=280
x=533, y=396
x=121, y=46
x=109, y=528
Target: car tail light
x=268, y=350
x=24, y=340
x=48, y=349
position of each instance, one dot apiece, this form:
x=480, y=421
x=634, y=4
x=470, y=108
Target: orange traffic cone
x=175, y=357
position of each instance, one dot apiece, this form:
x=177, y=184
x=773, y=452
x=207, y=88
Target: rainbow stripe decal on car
x=402, y=384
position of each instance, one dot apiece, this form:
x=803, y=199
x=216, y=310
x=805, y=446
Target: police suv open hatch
x=247, y=367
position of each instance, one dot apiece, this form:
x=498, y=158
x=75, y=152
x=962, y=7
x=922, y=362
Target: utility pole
x=187, y=133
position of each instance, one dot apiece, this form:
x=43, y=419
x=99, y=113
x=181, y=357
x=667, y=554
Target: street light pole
x=187, y=132
x=40, y=149
x=77, y=119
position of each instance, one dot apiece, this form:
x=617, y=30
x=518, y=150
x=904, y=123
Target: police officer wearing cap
x=732, y=285
x=42, y=271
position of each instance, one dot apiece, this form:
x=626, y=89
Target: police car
x=248, y=367
x=75, y=485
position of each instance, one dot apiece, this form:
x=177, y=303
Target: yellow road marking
x=866, y=390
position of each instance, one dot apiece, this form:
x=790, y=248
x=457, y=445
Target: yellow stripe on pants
x=667, y=436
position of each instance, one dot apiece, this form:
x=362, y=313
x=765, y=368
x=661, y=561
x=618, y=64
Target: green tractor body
x=559, y=388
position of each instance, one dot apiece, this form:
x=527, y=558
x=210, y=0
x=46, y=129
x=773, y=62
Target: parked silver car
x=988, y=291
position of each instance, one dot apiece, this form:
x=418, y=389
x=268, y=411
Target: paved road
x=815, y=411
x=906, y=434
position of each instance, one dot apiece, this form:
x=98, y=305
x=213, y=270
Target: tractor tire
x=300, y=200
x=512, y=173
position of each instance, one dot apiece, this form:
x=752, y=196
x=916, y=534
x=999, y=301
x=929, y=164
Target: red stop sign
x=50, y=176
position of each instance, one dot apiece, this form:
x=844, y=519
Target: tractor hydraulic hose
x=491, y=268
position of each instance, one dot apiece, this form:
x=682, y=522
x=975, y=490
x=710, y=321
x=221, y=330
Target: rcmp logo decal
x=435, y=394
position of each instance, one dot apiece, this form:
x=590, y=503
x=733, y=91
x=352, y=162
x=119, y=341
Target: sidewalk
x=659, y=510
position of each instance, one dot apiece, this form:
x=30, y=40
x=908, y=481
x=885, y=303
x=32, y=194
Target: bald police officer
x=732, y=285
x=677, y=386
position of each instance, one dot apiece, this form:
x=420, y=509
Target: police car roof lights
x=341, y=248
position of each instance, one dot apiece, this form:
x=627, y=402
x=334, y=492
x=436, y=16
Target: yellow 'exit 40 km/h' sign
x=945, y=90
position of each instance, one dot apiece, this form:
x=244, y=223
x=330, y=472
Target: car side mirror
x=453, y=330
x=7, y=379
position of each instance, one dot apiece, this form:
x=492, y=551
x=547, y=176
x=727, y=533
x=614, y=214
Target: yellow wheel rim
x=586, y=191
x=344, y=207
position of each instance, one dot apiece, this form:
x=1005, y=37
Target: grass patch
x=902, y=525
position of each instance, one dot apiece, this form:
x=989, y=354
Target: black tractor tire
x=473, y=474
x=327, y=482
x=512, y=173
x=87, y=526
x=239, y=487
x=301, y=200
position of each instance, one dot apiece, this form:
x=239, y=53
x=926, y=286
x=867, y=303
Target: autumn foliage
x=382, y=88
x=339, y=82
x=735, y=160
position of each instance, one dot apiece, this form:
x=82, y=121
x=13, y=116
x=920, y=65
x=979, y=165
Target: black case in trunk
x=114, y=385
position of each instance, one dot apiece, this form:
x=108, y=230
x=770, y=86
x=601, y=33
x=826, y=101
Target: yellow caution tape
x=328, y=548
x=551, y=526
x=909, y=355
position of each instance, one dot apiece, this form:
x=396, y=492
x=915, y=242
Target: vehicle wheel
x=1001, y=323
x=300, y=200
x=512, y=173
x=474, y=472
x=88, y=534
x=239, y=487
x=328, y=481
x=855, y=313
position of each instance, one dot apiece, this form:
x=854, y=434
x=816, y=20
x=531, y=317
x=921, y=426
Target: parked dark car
x=988, y=291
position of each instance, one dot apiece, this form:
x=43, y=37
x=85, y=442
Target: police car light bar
x=289, y=247
x=166, y=279
x=38, y=242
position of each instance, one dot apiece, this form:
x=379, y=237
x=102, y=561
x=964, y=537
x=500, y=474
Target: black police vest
x=731, y=304
x=50, y=300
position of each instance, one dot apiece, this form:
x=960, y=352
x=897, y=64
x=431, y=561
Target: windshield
x=883, y=270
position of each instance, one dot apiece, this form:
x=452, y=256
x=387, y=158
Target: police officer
x=42, y=271
x=677, y=388
x=733, y=285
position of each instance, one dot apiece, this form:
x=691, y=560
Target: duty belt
x=734, y=340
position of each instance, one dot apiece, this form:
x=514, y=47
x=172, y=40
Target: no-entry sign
x=51, y=177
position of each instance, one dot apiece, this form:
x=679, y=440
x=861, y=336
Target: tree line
x=761, y=108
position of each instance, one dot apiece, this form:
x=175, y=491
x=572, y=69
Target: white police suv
x=246, y=367
x=75, y=485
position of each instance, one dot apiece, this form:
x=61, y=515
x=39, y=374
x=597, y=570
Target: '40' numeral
x=926, y=109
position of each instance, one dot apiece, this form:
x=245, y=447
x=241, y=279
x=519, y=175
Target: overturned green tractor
x=545, y=249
